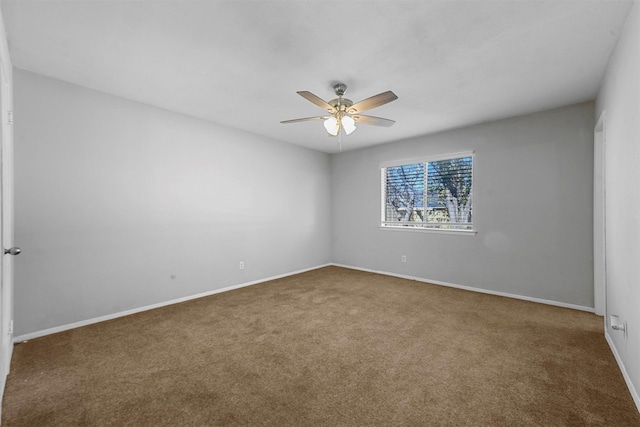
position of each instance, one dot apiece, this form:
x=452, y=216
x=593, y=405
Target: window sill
x=430, y=230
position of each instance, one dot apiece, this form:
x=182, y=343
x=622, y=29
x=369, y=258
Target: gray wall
x=113, y=197
x=619, y=98
x=532, y=209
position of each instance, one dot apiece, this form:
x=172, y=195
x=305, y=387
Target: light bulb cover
x=348, y=124
x=331, y=125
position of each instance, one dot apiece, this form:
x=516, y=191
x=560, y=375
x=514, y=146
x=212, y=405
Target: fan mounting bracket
x=340, y=88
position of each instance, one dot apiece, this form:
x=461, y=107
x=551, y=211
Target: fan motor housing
x=340, y=104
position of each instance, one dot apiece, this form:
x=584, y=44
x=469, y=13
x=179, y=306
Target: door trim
x=599, y=217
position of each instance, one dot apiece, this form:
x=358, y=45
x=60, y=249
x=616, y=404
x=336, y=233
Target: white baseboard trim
x=471, y=288
x=5, y=373
x=3, y=383
x=623, y=369
x=74, y=325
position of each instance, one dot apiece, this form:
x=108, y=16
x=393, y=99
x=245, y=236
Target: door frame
x=600, y=217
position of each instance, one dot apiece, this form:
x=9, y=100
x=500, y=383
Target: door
x=6, y=218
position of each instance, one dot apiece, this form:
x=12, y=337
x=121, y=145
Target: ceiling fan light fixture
x=348, y=124
x=343, y=113
x=331, y=125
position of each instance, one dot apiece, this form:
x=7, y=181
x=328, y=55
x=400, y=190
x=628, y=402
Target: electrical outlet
x=618, y=325
x=241, y=265
x=404, y=258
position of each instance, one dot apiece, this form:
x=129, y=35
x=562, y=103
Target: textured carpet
x=330, y=347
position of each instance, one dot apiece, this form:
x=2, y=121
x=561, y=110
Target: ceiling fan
x=344, y=114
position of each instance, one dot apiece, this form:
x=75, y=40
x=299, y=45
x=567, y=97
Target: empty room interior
x=320, y=213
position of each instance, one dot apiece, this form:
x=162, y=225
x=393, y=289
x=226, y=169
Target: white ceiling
x=240, y=63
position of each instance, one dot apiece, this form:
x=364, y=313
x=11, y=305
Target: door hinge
x=10, y=331
x=10, y=117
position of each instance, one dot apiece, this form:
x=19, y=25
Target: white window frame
x=395, y=163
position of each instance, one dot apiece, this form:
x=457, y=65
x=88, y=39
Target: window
x=434, y=194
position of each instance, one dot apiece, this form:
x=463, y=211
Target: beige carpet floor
x=330, y=347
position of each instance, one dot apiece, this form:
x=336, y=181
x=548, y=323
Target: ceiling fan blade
x=305, y=119
x=373, y=102
x=371, y=120
x=316, y=100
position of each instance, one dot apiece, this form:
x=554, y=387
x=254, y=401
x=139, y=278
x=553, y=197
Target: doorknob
x=13, y=251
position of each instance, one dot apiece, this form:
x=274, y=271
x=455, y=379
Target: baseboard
x=9, y=356
x=623, y=369
x=5, y=372
x=473, y=289
x=74, y=325
x=3, y=383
